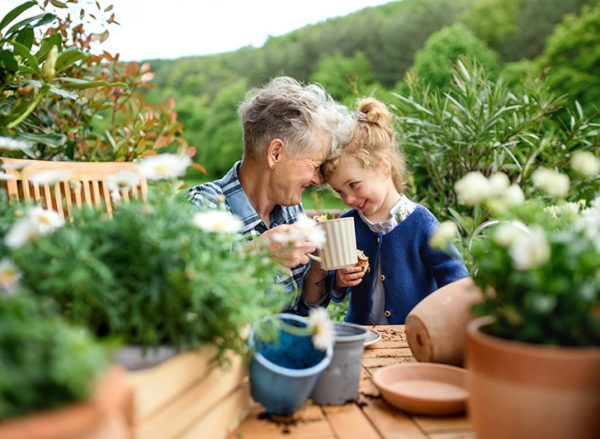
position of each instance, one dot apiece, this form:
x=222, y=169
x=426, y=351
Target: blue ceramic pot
x=283, y=372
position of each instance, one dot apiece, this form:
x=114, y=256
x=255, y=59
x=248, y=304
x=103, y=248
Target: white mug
x=340, y=245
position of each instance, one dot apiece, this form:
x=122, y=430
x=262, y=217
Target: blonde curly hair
x=373, y=138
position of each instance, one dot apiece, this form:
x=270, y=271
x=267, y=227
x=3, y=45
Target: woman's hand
x=348, y=277
x=290, y=254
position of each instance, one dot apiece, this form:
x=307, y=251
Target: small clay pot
x=436, y=327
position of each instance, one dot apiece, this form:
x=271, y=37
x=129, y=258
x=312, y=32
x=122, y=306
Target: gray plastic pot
x=338, y=383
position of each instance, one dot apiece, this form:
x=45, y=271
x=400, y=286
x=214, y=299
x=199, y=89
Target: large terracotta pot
x=520, y=390
x=436, y=327
x=107, y=415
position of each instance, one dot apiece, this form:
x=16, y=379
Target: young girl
x=393, y=231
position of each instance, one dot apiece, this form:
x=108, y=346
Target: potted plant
x=56, y=380
x=534, y=360
x=158, y=274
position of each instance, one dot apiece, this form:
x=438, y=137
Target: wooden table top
x=370, y=417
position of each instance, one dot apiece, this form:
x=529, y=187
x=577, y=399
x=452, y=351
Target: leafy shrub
x=149, y=276
x=44, y=362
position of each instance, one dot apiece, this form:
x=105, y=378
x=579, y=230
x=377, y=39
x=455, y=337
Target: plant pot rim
x=476, y=335
x=298, y=373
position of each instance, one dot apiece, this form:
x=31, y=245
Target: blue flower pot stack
x=283, y=372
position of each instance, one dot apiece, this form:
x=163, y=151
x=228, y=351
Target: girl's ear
x=274, y=152
x=385, y=164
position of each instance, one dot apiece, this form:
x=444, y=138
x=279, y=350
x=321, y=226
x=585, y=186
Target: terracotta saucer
x=424, y=388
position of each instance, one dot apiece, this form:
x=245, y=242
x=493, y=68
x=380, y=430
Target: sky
x=177, y=28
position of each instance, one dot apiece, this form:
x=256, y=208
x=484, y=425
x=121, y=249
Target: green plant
x=156, y=273
x=539, y=265
x=67, y=103
x=45, y=363
x=482, y=125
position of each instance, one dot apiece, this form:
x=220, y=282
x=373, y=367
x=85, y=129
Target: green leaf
x=46, y=45
x=41, y=20
x=24, y=52
x=77, y=83
x=15, y=13
x=25, y=37
x=8, y=60
x=51, y=139
x=68, y=57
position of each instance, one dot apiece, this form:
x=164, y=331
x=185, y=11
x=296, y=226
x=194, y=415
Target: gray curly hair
x=294, y=113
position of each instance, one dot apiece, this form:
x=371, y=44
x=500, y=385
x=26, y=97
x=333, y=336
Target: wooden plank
x=156, y=386
x=376, y=362
x=442, y=424
x=225, y=416
x=389, y=353
x=308, y=423
x=187, y=408
x=349, y=422
x=390, y=422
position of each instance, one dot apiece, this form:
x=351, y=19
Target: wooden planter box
x=188, y=397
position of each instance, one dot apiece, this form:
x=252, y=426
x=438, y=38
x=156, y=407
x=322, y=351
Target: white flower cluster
x=586, y=163
x=9, y=277
x=36, y=222
x=217, y=221
x=529, y=250
x=164, y=166
x=10, y=144
x=321, y=326
x=307, y=230
x=443, y=235
x=552, y=182
x=475, y=189
x=589, y=223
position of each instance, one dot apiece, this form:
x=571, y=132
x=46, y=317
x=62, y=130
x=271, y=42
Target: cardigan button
x=387, y=313
x=381, y=277
x=378, y=240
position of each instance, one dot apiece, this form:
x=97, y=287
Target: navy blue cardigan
x=410, y=268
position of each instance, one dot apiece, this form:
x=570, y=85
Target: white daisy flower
x=164, y=166
x=289, y=238
x=443, y=235
x=10, y=277
x=115, y=196
x=531, y=250
x=586, y=163
x=472, y=189
x=122, y=181
x=310, y=230
x=49, y=177
x=513, y=195
x=10, y=144
x=5, y=176
x=321, y=327
x=36, y=222
x=219, y=221
x=552, y=182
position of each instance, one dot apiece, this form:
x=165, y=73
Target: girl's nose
x=347, y=199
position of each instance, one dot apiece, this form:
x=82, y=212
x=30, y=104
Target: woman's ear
x=274, y=152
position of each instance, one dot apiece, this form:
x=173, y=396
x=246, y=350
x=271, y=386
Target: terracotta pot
x=436, y=327
x=521, y=390
x=107, y=415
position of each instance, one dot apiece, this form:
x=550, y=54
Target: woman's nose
x=316, y=178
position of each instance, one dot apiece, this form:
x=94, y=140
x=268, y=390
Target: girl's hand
x=348, y=277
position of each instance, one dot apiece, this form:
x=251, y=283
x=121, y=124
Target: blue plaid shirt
x=236, y=201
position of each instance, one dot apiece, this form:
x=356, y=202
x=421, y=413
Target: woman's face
x=294, y=174
x=371, y=191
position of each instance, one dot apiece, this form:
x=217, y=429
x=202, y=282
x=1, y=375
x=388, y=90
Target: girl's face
x=371, y=191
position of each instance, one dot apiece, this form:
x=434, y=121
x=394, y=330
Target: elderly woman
x=289, y=129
